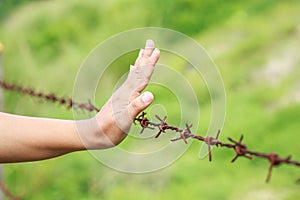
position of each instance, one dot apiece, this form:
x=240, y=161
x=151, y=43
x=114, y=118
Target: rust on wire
x=7, y=193
x=50, y=97
x=239, y=147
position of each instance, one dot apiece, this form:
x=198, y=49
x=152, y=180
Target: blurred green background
x=255, y=45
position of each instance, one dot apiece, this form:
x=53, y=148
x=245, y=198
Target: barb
x=239, y=147
x=7, y=193
x=50, y=97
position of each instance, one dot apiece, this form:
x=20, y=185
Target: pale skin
x=25, y=138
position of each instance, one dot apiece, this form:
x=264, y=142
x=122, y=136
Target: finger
x=139, y=104
x=149, y=44
x=150, y=60
x=148, y=48
x=138, y=78
x=155, y=56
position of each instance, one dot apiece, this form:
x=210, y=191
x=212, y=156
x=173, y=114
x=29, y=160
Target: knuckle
x=136, y=105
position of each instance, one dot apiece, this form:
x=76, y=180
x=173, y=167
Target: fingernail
x=156, y=51
x=147, y=97
x=149, y=43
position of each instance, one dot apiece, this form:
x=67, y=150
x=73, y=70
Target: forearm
x=29, y=138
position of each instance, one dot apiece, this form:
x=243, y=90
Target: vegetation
x=255, y=45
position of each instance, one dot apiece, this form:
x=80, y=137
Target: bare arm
x=30, y=138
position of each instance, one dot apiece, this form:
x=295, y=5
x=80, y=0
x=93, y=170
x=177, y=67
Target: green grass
x=46, y=41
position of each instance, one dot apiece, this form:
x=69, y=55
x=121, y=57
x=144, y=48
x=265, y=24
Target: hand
x=111, y=125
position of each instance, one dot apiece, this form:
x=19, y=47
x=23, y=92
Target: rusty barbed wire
x=50, y=97
x=239, y=147
x=7, y=193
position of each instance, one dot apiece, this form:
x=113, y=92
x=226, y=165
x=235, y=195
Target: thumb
x=140, y=103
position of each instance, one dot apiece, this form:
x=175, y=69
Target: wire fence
x=162, y=126
x=50, y=97
x=239, y=147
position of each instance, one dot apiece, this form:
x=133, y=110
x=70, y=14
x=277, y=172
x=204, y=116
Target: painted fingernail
x=147, y=97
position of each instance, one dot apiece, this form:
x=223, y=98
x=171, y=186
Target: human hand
x=111, y=125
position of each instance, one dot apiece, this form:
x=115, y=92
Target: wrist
x=91, y=133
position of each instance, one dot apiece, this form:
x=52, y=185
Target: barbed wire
x=239, y=147
x=51, y=97
x=7, y=193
